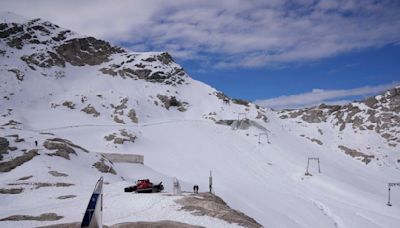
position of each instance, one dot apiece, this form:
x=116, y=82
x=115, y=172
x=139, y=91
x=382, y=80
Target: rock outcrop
x=379, y=113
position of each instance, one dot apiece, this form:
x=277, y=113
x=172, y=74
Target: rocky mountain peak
x=41, y=44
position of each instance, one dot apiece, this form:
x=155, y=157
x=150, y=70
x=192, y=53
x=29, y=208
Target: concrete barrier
x=124, y=158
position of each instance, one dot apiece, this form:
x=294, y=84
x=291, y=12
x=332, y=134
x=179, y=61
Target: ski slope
x=267, y=180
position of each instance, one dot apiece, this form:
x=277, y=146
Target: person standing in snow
x=210, y=182
x=177, y=187
x=36, y=143
x=196, y=189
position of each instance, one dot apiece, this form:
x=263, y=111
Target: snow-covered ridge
x=6, y=16
x=40, y=52
x=378, y=115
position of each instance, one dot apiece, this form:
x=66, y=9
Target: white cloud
x=231, y=33
x=319, y=96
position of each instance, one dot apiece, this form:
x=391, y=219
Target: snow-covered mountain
x=82, y=98
x=373, y=125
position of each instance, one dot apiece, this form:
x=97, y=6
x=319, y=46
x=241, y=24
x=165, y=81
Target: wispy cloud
x=319, y=96
x=231, y=33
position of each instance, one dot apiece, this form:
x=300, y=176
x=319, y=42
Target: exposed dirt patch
x=12, y=123
x=317, y=141
x=42, y=217
x=46, y=133
x=58, y=174
x=10, y=190
x=66, y=197
x=212, y=205
x=242, y=124
x=158, y=224
x=25, y=178
x=38, y=185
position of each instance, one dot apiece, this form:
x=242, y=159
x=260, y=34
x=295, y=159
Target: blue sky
x=371, y=67
x=280, y=53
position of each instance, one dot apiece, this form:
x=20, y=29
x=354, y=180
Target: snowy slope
x=111, y=100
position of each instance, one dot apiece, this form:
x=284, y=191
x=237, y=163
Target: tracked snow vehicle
x=145, y=186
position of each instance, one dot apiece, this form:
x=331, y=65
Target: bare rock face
x=314, y=116
x=354, y=153
x=103, y=167
x=118, y=120
x=17, y=35
x=262, y=116
x=393, y=96
x=371, y=102
x=11, y=190
x=211, y=205
x=241, y=102
x=91, y=110
x=43, y=59
x=63, y=148
x=125, y=136
x=18, y=74
x=132, y=116
x=86, y=51
x=119, y=109
x=12, y=164
x=25, y=178
x=379, y=113
x=223, y=97
x=66, y=197
x=3, y=147
x=69, y=104
x=317, y=141
x=165, y=58
x=172, y=102
x=144, y=70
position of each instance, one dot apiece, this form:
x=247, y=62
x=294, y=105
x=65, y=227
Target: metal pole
x=388, y=203
x=308, y=162
x=319, y=169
